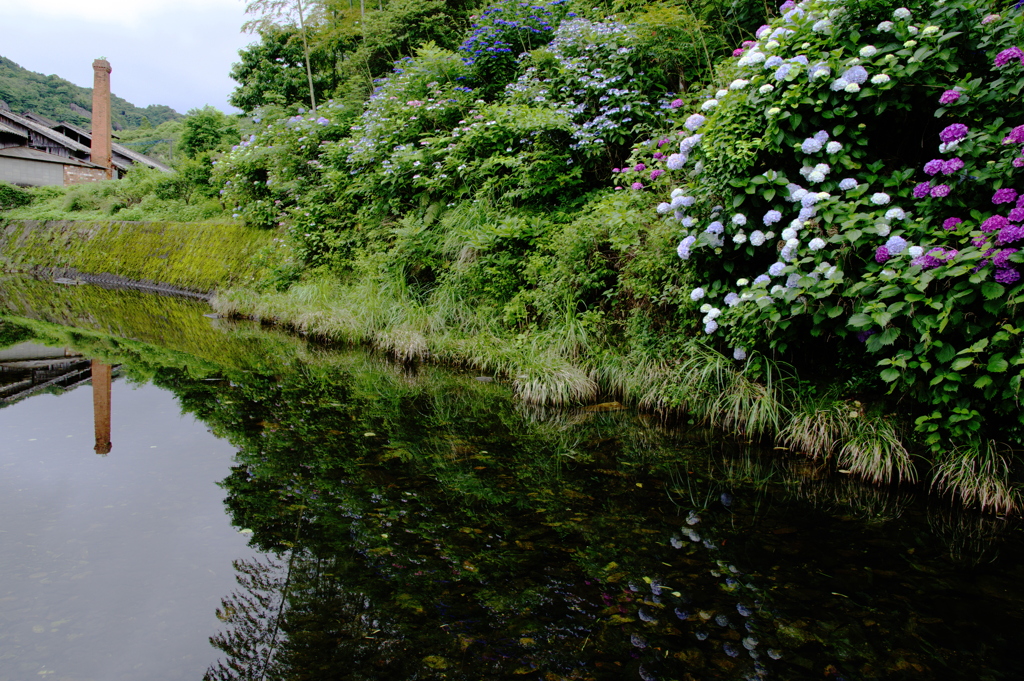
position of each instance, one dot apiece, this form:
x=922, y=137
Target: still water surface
x=111, y=567
x=420, y=524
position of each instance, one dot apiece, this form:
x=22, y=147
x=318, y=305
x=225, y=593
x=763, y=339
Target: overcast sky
x=173, y=52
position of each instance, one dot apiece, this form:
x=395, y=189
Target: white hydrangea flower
x=709, y=105
x=739, y=238
x=739, y=84
x=915, y=251
x=696, y=294
x=721, y=93
x=886, y=26
x=664, y=208
x=706, y=307
x=788, y=233
x=816, y=244
x=910, y=43
x=766, y=88
x=868, y=51
x=883, y=229
x=833, y=147
x=774, y=111
x=678, y=191
x=912, y=30
x=930, y=30
x=739, y=219
x=880, y=198
x=852, y=87
x=771, y=45
x=902, y=13
x=880, y=79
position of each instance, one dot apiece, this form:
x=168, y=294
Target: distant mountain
x=56, y=98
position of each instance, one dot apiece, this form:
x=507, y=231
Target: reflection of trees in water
x=293, y=619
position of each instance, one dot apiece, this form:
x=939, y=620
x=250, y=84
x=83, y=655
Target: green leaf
x=962, y=363
x=890, y=375
x=859, y=321
x=991, y=289
x=997, y=364
x=983, y=382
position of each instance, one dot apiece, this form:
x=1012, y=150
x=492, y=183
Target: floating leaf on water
x=638, y=641
x=722, y=620
x=682, y=614
x=369, y=434
x=692, y=518
x=245, y=530
x=753, y=654
x=744, y=610
x=692, y=535
x=774, y=654
x=435, y=662
x=730, y=650
x=701, y=634
x=726, y=499
x=646, y=616
x=750, y=642
x=676, y=542
x=646, y=675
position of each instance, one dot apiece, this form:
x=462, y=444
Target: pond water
x=275, y=509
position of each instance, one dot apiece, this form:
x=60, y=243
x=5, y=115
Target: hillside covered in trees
x=61, y=100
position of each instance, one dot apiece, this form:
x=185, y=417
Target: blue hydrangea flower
x=895, y=245
x=777, y=269
x=847, y=184
x=696, y=294
x=771, y=217
x=856, y=74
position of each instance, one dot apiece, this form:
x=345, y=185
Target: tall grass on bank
x=979, y=475
x=562, y=366
x=868, y=445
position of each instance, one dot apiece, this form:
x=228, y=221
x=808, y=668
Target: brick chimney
x=100, y=149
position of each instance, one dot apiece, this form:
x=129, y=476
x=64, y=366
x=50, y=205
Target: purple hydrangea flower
x=940, y=190
x=953, y=133
x=952, y=165
x=1018, y=162
x=1016, y=136
x=921, y=190
x=1002, y=258
x=1016, y=214
x=951, y=223
x=949, y=96
x=1010, y=234
x=857, y=74
x=1004, y=195
x=994, y=223
x=882, y=255
x=934, y=166
x=656, y=172
x=1007, y=275
x=639, y=167
x=1008, y=55
x=637, y=185
x=676, y=103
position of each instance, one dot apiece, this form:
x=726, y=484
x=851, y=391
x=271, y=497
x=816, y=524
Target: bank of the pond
x=194, y=256
x=854, y=436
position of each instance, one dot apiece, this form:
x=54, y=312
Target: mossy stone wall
x=198, y=256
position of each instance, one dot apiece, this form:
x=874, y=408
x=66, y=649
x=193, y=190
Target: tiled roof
x=36, y=155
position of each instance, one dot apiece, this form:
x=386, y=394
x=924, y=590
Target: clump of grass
x=868, y=445
x=979, y=474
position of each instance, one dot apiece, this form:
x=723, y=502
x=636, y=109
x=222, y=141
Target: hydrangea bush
x=851, y=197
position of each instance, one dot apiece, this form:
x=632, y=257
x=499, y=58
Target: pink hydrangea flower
x=738, y=52
x=952, y=165
x=676, y=103
x=1008, y=55
x=949, y=96
x=637, y=185
x=940, y=190
x=951, y=223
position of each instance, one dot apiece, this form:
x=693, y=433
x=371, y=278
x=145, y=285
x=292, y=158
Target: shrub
x=817, y=229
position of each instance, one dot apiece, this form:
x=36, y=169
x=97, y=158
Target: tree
x=291, y=11
x=205, y=130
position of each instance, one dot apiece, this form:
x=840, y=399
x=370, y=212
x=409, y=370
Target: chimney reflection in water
x=101, y=405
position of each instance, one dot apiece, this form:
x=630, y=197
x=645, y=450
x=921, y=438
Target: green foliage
x=13, y=197
x=61, y=100
x=206, y=130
